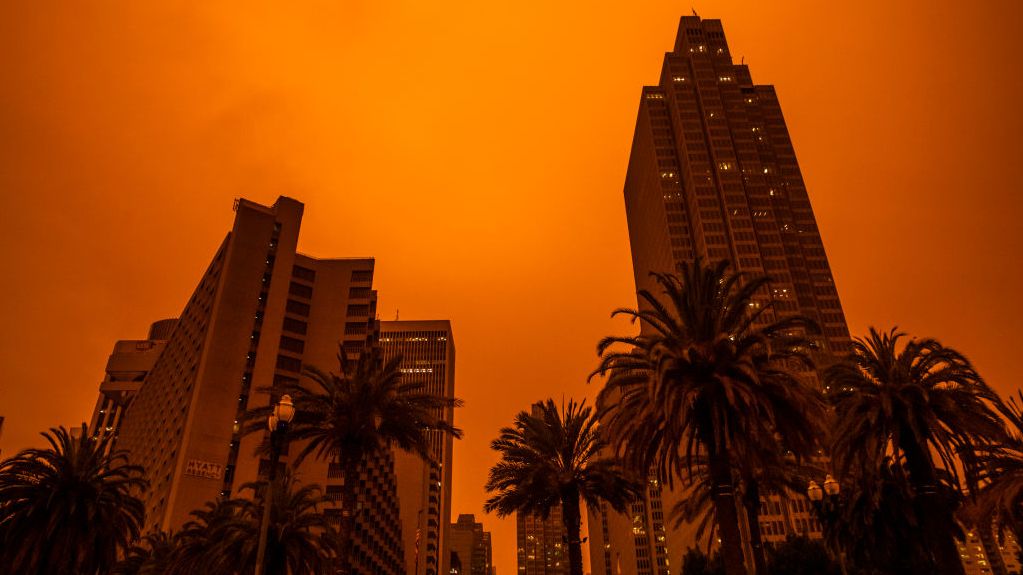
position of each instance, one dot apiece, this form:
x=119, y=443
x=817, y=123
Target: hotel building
x=259, y=313
x=712, y=174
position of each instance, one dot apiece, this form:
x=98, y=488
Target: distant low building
x=470, y=547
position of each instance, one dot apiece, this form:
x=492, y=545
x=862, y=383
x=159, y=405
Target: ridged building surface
x=427, y=349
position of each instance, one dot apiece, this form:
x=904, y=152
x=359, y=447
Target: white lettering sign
x=204, y=469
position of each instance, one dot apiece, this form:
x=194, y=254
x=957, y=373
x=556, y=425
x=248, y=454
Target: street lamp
x=814, y=492
x=277, y=423
x=831, y=486
x=827, y=511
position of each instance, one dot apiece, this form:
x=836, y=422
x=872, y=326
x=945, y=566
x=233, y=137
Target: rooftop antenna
x=742, y=61
x=397, y=314
x=694, y=13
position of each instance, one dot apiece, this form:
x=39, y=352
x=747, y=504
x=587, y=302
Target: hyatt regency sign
x=204, y=469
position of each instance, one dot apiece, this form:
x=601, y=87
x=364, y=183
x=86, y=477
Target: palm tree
x=301, y=539
x=348, y=418
x=918, y=406
x=770, y=470
x=995, y=473
x=766, y=470
x=552, y=458
x=876, y=524
x=153, y=556
x=203, y=544
x=69, y=508
x=223, y=536
x=712, y=371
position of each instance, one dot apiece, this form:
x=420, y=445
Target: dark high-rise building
x=542, y=547
x=427, y=349
x=470, y=547
x=713, y=175
x=260, y=312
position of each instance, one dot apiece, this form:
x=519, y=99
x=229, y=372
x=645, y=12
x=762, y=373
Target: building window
x=295, y=326
x=302, y=291
x=286, y=363
x=297, y=308
x=303, y=273
x=291, y=344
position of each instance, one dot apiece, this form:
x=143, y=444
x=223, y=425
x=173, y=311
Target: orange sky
x=478, y=151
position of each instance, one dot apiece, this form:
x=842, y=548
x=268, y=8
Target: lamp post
x=827, y=509
x=278, y=422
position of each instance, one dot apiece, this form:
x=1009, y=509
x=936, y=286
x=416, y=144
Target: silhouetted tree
x=801, y=556
x=68, y=508
x=153, y=556
x=710, y=372
x=696, y=562
x=921, y=405
x=223, y=536
x=553, y=458
x=349, y=417
x=995, y=471
x=875, y=521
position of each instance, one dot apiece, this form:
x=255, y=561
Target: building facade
x=260, y=312
x=542, y=542
x=987, y=553
x=712, y=174
x=427, y=349
x=127, y=367
x=470, y=548
x=542, y=547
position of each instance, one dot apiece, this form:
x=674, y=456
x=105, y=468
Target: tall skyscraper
x=713, y=175
x=260, y=312
x=470, y=547
x=542, y=543
x=127, y=367
x=542, y=547
x=427, y=349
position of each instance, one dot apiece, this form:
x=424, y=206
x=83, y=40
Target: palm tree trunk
x=935, y=518
x=572, y=517
x=727, y=515
x=349, y=509
x=751, y=501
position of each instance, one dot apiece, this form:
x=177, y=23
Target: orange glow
x=478, y=151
